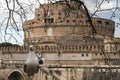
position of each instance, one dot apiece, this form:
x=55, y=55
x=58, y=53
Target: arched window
x=99, y=22
x=38, y=14
x=107, y=23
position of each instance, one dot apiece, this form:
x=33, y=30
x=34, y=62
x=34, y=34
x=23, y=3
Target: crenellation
x=53, y=48
x=14, y=49
x=71, y=48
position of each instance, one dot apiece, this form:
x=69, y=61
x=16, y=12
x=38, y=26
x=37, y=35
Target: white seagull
x=31, y=65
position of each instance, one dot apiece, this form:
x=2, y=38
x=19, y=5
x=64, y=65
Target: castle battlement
x=15, y=49
x=78, y=44
x=97, y=22
x=46, y=48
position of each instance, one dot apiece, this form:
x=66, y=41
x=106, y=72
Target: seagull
x=31, y=65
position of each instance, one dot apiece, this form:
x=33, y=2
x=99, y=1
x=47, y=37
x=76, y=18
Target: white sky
x=107, y=4
x=89, y=3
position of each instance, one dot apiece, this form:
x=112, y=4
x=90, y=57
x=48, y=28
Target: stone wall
x=60, y=20
x=54, y=72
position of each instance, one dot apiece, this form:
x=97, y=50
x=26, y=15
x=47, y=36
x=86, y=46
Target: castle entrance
x=15, y=76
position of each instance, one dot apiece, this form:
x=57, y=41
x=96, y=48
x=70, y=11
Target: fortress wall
x=106, y=29
x=63, y=21
x=65, y=73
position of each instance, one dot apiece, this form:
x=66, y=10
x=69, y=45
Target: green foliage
x=7, y=44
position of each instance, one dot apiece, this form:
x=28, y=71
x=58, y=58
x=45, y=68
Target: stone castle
x=63, y=36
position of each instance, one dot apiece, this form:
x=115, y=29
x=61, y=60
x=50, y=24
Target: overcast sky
x=107, y=4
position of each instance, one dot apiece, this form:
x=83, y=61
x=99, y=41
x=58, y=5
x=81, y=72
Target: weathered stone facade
x=63, y=37
x=57, y=19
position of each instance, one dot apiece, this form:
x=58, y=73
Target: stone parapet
x=15, y=49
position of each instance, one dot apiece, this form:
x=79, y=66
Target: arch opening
x=15, y=76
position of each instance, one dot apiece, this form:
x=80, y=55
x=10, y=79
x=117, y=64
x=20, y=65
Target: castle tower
x=59, y=19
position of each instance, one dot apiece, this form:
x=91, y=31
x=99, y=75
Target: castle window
x=114, y=53
x=32, y=22
x=48, y=20
x=45, y=20
x=58, y=72
x=94, y=46
x=59, y=13
x=79, y=47
x=82, y=55
x=83, y=47
x=87, y=55
x=99, y=22
x=67, y=21
x=73, y=20
x=87, y=47
x=38, y=14
x=107, y=23
x=61, y=21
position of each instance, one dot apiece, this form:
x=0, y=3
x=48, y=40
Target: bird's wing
x=37, y=69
